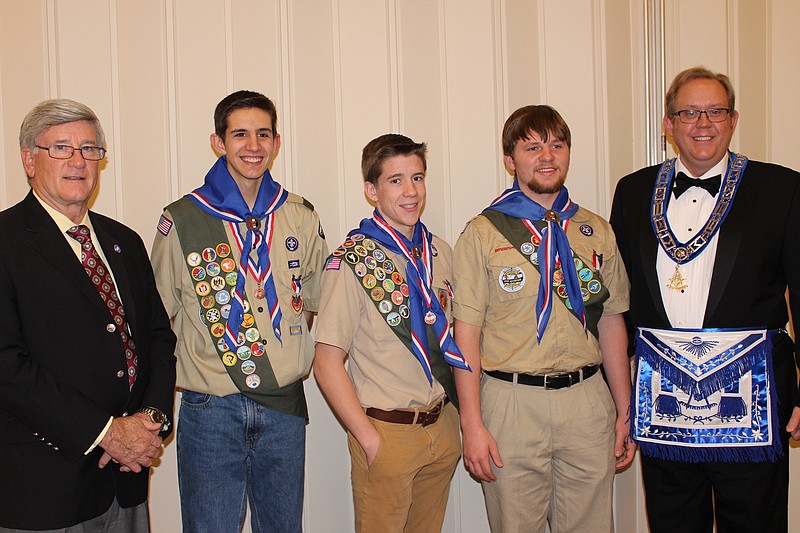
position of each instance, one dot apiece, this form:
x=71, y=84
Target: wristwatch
x=157, y=416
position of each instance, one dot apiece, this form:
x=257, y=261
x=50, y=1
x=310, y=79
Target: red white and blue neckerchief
x=220, y=197
x=553, y=247
x=419, y=273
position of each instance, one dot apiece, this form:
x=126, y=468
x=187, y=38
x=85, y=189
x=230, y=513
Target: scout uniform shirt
x=384, y=372
x=298, y=249
x=499, y=288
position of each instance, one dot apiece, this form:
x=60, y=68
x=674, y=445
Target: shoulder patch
x=164, y=225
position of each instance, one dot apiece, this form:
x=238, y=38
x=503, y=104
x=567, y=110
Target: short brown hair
x=696, y=73
x=378, y=150
x=540, y=119
x=242, y=100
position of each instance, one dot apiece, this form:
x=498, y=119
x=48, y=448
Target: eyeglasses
x=65, y=151
x=691, y=116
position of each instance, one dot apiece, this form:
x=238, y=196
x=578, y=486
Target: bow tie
x=683, y=182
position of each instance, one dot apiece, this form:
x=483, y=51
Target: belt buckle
x=432, y=415
x=562, y=375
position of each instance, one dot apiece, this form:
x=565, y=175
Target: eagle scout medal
x=259, y=292
x=297, y=303
x=430, y=318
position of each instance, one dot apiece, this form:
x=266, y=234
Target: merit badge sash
x=215, y=275
x=683, y=252
x=592, y=289
x=706, y=395
x=390, y=292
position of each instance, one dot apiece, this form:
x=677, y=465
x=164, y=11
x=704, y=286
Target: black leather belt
x=425, y=418
x=560, y=380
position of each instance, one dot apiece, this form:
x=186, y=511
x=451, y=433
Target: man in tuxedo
x=709, y=240
x=87, y=369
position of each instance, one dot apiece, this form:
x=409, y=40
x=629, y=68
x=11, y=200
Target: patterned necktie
x=102, y=281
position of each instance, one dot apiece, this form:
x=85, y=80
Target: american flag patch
x=164, y=225
x=333, y=263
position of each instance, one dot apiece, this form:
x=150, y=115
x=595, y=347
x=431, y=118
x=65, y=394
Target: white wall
x=341, y=72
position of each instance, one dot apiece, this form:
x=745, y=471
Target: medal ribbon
x=220, y=197
x=419, y=273
x=553, y=247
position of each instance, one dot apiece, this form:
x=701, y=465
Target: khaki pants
x=405, y=488
x=557, y=448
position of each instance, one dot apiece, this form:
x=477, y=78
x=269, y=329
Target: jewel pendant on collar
x=416, y=251
x=259, y=293
x=677, y=282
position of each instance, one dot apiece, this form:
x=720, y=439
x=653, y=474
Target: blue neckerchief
x=554, y=243
x=220, y=197
x=419, y=273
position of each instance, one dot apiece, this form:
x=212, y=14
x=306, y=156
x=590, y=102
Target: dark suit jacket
x=60, y=369
x=758, y=256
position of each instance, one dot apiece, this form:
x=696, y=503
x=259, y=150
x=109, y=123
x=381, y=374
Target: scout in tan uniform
x=547, y=290
x=386, y=302
x=237, y=263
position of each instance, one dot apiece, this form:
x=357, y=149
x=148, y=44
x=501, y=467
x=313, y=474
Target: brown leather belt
x=559, y=380
x=426, y=418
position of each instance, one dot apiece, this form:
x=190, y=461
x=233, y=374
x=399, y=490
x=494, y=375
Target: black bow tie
x=683, y=182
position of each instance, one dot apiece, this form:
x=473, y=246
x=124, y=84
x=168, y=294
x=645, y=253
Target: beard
x=538, y=187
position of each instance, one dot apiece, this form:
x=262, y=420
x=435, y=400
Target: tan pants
x=405, y=488
x=558, y=450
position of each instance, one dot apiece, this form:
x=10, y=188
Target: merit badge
x=357, y=237
x=593, y=286
x=585, y=274
x=222, y=346
x=248, y=367
x=526, y=248
x=202, y=288
x=385, y=306
x=217, y=330
x=388, y=285
x=248, y=320
x=243, y=353
x=377, y=294
x=369, y=281
x=251, y=335
x=223, y=297
x=379, y=255
x=209, y=254
x=295, y=330
x=404, y=289
x=253, y=223
x=213, y=269
x=198, y=273
x=360, y=270
x=292, y=243
x=393, y=319
x=380, y=273
x=257, y=349
x=578, y=264
x=351, y=257
x=404, y=311
x=207, y=301
x=397, y=297
x=225, y=310
x=348, y=243
x=586, y=229
x=370, y=262
x=369, y=244
x=229, y=359
x=388, y=266
x=227, y=264
x=360, y=250
x=338, y=252
x=231, y=277
x=193, y=259
x=223, y=250
x=253, y=381
x=397, y=278
x=511, y=279
x=218, y=283
x=212, y=315
x=585, y=294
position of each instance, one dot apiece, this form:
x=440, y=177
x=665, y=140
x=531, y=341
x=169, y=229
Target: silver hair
x=53, y=113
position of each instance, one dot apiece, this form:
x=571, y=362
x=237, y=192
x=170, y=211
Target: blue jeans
x=232, y=450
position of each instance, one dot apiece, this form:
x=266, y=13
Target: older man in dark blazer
x=710, y=242
x=87, y=369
